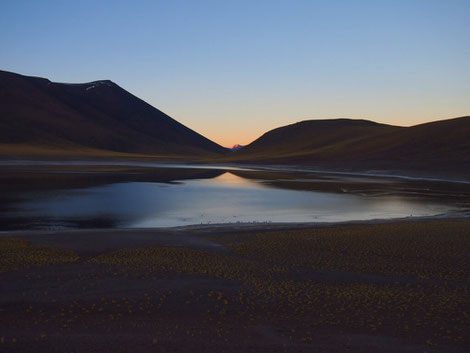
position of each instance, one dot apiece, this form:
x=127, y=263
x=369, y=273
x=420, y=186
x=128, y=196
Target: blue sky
x=232, y=70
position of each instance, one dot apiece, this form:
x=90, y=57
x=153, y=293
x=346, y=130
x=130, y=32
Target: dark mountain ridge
x=346, y=144
x=96, y=115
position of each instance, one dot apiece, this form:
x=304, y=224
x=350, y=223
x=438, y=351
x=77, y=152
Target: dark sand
x=397, y=286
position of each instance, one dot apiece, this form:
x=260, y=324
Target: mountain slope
x=346, y=144
x=318, y=138
x=100, y=115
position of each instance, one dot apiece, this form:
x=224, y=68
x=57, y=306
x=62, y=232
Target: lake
x=113, y=195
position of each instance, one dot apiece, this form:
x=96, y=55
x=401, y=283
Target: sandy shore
x=381, y=286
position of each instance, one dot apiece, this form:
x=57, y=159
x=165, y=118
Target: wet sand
x=382, y=286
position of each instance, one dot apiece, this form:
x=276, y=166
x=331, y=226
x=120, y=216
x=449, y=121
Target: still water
x=58, y=197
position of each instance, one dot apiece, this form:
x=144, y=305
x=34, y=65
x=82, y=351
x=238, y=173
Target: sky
x=232, y=70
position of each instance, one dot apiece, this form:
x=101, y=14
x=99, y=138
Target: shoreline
x=461, y=216
x=91, y=242
x=145, y=163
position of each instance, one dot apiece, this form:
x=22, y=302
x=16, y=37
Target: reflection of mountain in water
x=19, y=184
x=54, y=178
x=57, y=197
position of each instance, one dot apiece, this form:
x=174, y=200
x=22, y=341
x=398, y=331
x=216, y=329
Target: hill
x=38, y=116
x=345, y=144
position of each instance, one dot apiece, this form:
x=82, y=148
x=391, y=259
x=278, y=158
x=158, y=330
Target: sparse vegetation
x=275, y=268
x=408, y=283
x=424, y=250
x=189, y=261
x=18, y=254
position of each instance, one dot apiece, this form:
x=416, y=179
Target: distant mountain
x=345, y=144
x=236, y=147
x=38, y=116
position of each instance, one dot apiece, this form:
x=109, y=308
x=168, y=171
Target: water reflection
x=103, y=197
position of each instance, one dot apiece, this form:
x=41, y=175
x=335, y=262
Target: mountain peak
x=95, y=84
x=236, y=147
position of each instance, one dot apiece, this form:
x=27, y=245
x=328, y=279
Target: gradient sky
x=232, y=70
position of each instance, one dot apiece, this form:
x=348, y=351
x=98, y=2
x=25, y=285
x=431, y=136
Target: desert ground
x=385, y=287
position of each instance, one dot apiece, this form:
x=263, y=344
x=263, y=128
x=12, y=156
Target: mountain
x=236, y=147
x=43, y=118
x=344, y=144
x=38, y=116
x=308, y=139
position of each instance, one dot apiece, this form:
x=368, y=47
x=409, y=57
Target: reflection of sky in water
x=226, y=198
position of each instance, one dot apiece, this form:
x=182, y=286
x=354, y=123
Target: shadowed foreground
x=396, y=287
